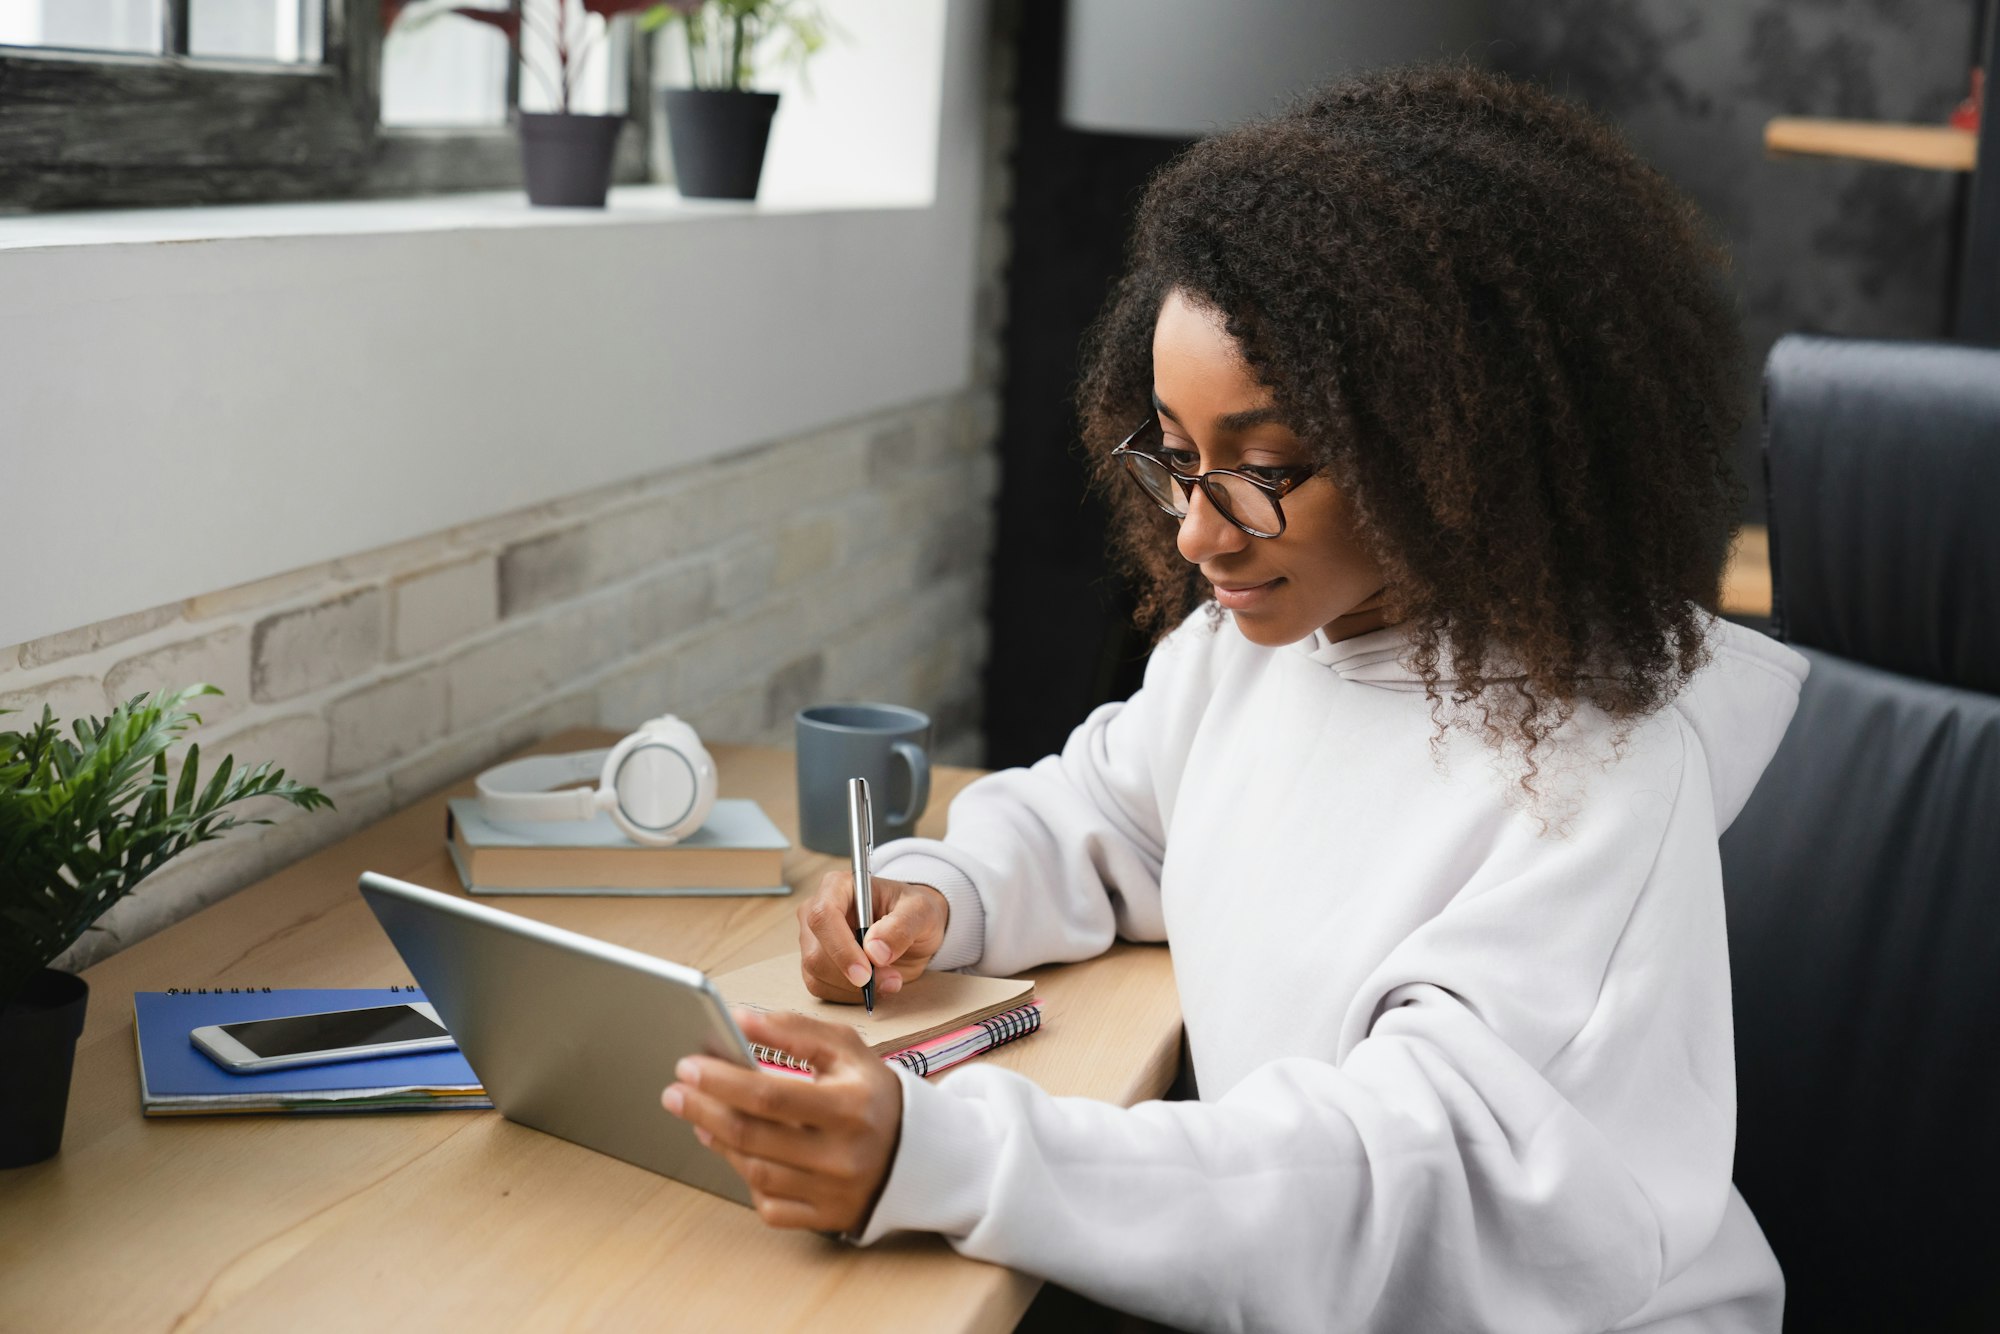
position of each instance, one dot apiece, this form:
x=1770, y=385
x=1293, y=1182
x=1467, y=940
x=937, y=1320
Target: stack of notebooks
x=737, y=850
x=931, y=1025
x=177, y=1079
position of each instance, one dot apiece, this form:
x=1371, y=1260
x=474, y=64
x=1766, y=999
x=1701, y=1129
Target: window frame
x=216, y=131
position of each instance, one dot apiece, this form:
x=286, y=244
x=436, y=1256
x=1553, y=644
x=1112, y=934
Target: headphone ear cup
x=662, y=782
x=689, y=744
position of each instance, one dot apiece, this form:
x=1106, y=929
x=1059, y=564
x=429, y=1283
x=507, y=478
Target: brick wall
x=848, y=563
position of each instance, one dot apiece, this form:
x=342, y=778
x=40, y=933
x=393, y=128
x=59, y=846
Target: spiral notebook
x=177, y=1079
x=933, y=1023
x=948, y=1049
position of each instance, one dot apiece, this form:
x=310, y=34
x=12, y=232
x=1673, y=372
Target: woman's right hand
x=908, y=931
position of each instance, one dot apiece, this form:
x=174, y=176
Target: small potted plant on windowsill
x=81, y=823
x=567, y=156
x=718, y=127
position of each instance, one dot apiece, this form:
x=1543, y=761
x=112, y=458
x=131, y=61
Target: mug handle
x=919, y=763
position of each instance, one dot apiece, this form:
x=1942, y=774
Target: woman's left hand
x=814, y=1152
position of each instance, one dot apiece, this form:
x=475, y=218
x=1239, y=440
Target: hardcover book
x=737, y=850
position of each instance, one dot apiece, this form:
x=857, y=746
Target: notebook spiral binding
x=942, y=1051
x=997, y=1030
x=772, y=1056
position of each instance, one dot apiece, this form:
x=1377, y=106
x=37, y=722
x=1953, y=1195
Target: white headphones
x=658, y=785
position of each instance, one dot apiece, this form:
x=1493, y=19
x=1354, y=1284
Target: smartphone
x=314, y=1039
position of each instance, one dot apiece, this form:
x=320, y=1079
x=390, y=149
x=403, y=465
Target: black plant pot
x=38, y=1033
x=567, y=158
x=718, y=137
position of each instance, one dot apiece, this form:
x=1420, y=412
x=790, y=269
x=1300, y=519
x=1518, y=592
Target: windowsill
x=488, y=211
x=312, y=380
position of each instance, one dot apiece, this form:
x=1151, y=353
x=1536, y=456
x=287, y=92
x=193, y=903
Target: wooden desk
x=464, y=1219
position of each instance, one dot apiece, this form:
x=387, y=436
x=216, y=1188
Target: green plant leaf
x=732, y=42
x=84, y=821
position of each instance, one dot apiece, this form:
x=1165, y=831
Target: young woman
x=1420, y=397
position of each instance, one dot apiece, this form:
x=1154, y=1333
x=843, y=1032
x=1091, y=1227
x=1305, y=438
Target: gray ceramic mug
x=883, y=743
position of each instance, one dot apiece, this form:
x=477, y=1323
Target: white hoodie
x=1458, y=1070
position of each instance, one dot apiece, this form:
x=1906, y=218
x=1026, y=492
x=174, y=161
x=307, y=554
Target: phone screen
x=327, y=1032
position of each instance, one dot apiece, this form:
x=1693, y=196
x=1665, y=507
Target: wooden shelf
x=1746, y=580
x=1936, y=147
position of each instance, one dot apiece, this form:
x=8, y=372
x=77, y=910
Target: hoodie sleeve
x=1528, y=1125
x=1051, y=863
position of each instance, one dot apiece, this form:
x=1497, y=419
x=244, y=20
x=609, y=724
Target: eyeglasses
x=1247, y=497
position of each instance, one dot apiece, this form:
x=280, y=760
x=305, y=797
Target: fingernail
x=858, y=974
x=878, y=951
x=702, y=1135
x=687, y=1071
x=892, y=982
x=673, y=1098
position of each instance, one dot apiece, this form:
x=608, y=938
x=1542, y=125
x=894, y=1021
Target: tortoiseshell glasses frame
x=1248, y=500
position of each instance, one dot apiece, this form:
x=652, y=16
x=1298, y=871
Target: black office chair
x=1863, y=877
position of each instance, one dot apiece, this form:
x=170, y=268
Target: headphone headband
x=655, y=804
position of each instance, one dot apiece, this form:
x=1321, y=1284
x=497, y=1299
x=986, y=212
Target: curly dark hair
x=1506, y=338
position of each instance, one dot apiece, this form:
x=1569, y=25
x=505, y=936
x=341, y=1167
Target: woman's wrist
x=939, y=905
x=964, y=932
x=853, y=1236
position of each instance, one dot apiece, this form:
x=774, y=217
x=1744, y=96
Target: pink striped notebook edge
x=935, y=1054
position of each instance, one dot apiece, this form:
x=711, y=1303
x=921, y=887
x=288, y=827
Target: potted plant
x=566, y=155
x=717, y=127
x=81, y=822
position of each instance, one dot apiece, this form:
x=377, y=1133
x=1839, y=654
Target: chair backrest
x=1884, y=467
x=1863, y=877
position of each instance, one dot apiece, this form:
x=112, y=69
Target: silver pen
x=861, y=844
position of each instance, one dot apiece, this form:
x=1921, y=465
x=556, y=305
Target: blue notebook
x=177, y=1079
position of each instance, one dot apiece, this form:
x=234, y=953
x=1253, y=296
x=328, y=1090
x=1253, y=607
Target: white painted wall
x=184, y=417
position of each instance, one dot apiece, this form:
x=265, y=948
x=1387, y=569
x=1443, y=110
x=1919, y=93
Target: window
x=449, y=75
x=134, y=102
x=287, y=31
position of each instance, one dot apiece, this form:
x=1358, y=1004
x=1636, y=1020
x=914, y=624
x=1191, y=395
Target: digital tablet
x=569, y=1034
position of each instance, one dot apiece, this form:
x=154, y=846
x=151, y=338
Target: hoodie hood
x=1739, y=704
x=1375, y=658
